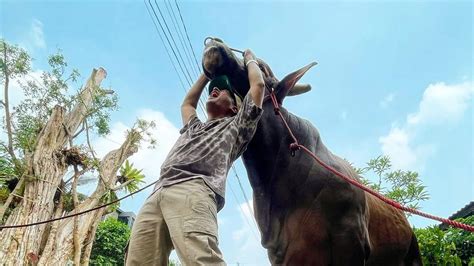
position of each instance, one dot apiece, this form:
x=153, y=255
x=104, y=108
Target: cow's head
x=218, y=59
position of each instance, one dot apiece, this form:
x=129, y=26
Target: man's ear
x=234, y=109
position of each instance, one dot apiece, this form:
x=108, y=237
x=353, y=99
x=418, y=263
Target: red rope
x=296, y=146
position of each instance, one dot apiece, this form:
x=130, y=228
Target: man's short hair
x=223, y=83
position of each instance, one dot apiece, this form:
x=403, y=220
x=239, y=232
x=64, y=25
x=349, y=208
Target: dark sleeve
x=246, y=121
x=194, y=120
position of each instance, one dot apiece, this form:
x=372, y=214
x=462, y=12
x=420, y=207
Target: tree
x=463, y=240
x=48, y=134
x=109, y=244
x=404, y=187
x=435, y=248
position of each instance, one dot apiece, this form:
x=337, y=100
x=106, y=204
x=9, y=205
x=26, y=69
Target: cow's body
x=307, y=215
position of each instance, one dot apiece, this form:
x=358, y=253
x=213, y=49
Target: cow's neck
x=268, y=147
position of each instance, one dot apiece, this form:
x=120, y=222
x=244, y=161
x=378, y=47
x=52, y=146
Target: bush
x=109, y=244
x=463, y=240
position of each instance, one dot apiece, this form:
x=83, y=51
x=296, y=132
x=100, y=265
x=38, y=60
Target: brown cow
x=307, y=215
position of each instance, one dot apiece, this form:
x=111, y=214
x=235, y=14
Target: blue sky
x=393, y=78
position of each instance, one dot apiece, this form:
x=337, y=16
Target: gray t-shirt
x=207, y=149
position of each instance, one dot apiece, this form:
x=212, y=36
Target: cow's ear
x=286, y=84
x=299, y=89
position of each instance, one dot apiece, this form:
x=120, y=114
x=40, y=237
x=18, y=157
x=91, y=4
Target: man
x=182, y=211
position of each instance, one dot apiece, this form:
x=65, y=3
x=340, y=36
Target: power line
x=243, y=213
x=169, y=43
x=172, y=39
x=186, y=31
x=167, y=51
x=177, y=28
x=187, y=35
x=243, y=192
x=166, y=48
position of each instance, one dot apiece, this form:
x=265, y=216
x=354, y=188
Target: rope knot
x=276, y=110
x=293, y=148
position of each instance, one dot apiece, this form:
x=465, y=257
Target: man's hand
x=249, y=55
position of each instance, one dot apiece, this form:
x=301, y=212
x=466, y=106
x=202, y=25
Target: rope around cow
x=296, y=146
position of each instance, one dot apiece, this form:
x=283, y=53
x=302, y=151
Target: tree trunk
x=60, y=253
x=44, y=174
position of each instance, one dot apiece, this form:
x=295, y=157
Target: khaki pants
x=182, y=216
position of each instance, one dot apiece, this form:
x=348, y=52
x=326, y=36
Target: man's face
x=220, y=103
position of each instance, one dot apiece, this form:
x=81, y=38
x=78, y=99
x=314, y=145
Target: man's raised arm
x=190, y=102
x=257, y=84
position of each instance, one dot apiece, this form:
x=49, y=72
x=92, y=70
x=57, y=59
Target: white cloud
x=247, y=237
x=398, y=144
x=387, y=100
x=149, y=160
x=36, y=34
x=344, y=115
x=441, y=103
x=33, y=38
x=246, y=213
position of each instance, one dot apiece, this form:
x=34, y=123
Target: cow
x=306, y=214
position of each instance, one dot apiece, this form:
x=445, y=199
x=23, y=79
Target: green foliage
x=7, y=170
x=402, y=186
x=110, y=196
x=109, y=244
x=17, y=62
x=4, y=193
x=436, y=248
x=42, y=95
x=129, y=173
x=28, y=128
x=99, y=115
x=463, y=240
x=141, y=131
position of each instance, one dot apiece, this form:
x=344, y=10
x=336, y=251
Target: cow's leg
x=349, y=241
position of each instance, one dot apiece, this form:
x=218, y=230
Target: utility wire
x=172, y=39
x=243, y=213
x=153, y=18
x=186, y=31
x=187, y=35
x=177, y=28
x=169, y=43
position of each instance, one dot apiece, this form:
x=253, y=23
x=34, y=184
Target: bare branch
x=122, y=185
x=75, y=200
x=8, y=120
x=108, y=91
x=7, y=203
x=80, y=130
x=88, y=140
x=79, y=174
